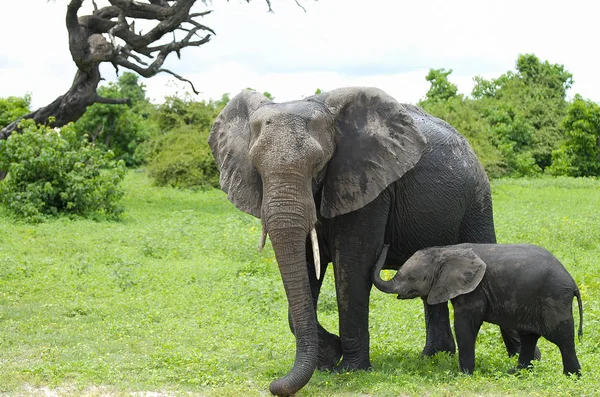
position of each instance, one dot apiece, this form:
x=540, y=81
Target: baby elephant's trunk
x=383, y=285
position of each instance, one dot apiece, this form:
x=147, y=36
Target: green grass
x=175, y=298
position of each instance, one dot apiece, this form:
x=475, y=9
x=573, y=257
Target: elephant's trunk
x=289, y=216
x=389, y=286
x=314, y=242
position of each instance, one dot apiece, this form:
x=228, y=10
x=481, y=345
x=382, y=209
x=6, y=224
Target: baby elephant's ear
x=461, y=271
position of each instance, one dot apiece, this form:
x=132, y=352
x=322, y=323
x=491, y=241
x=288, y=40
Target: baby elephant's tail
x=578, y=296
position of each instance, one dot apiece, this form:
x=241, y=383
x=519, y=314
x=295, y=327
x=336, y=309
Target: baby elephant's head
x=436, y=274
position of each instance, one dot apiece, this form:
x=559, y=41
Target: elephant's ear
x=377, y=143
x=229, y=141
x=461, y=271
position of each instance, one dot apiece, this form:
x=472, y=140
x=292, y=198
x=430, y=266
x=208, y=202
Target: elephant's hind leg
x=563, y=336
x=569, y=358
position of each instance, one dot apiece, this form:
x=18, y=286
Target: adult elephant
x=353, y=169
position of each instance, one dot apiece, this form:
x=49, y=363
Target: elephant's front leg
x=438, y=333
x=357, y=241
x=353, y=287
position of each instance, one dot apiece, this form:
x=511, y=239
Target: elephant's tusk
x=263, y=238
x=316, y=255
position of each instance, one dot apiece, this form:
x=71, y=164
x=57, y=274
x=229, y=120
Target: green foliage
x=120, y=128
x=176, y=300
x=512, y=135
x=579, y=153
x=553, y=79
x=52, y=173
x=176, y=112
x=12, y=108
x=180, y=156
x=513, y=122
x=536, y=94
x=441, y=88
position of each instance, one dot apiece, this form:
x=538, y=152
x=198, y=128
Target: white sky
x=383, y=43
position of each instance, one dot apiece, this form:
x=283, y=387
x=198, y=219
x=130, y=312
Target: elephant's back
x=448, y=161
x=442, y=138
x=537, y=265
x=445, y=199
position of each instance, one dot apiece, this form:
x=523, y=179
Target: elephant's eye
x=412, y=279
x=255, y=126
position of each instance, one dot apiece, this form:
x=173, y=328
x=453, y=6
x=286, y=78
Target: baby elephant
x=523, y=287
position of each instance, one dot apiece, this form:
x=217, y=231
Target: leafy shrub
x=52, y=173
x=513, y=122
x=120, y=128
x=12, y=108
x=579, y=153
x=182, y=158
x=177, y=111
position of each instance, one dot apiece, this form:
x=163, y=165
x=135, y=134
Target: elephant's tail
x=578, y=296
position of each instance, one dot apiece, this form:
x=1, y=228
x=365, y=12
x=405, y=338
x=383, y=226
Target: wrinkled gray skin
x=364, y=171
x=522, y=287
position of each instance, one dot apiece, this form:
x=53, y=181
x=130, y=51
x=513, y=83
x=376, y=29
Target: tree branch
x=299, y=5
x=107, y=34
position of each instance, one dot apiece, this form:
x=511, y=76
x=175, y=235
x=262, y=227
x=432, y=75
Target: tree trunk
x=68, y=107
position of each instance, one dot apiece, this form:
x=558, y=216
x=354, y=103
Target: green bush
x=120, y=128
x=513, y=122
x=182, y=159
x=579, y=152
x=55, y=172
x=12, y=108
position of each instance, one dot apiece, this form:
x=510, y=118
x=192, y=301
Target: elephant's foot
x=352, y=365
x=429, y=351
x=441, y=344
x=330, y=351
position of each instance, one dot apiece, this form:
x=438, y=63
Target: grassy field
x=176, y=299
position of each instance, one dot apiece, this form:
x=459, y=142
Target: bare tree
x=109, y=34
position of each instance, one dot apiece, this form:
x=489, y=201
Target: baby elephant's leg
x=466, y=327
x=527, y=352
x=512, y=342
x=569, y=357
x=563, y=336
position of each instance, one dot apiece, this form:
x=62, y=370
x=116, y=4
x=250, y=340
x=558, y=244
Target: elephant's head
x=280, y=162
x=435, y=274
